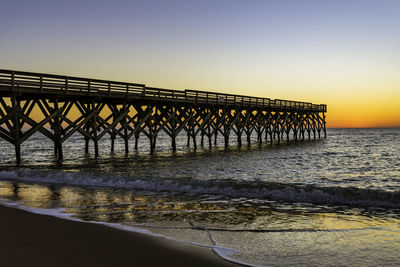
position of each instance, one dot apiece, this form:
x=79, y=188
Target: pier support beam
x=57, y=132
x=16, y=106
x=94, y=129
x=113, y=134
x=136, y=141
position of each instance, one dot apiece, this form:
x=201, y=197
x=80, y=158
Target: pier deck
x=129, y=109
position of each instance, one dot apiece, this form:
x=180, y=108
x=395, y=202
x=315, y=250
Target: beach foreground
x=29, y=239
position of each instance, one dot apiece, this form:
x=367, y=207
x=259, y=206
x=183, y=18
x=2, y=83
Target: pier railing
x=34, y=83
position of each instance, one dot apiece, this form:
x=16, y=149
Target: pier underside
x=58, y=113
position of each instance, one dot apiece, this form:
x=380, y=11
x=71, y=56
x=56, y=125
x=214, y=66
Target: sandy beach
x=29, y=239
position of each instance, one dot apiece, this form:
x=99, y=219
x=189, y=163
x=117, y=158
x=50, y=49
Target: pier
x=99, y=108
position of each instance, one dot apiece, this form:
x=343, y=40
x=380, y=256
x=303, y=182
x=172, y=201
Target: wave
x=349, y=196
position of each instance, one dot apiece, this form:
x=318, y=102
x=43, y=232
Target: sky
x=343, y=53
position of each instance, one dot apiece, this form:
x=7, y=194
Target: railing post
x=88, y=87
x=127, y=90
x=41, y=83
x=109, y=88
x=13, y=81
x=66, y=85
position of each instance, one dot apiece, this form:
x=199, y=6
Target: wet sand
x=28, y=239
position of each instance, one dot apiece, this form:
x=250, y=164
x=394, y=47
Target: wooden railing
x=29, y=82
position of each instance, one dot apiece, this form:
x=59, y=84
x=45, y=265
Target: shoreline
x=29, y=239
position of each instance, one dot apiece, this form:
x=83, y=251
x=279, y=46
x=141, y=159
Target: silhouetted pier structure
x=96, y=108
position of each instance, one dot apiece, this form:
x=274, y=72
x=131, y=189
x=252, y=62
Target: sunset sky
x=345, y=54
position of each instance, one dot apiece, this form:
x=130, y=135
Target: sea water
x=333, y=201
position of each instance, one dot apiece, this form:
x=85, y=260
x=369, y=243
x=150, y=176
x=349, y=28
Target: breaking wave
x=350, y=196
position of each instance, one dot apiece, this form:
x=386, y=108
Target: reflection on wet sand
x=111, y=205
x=274, y=231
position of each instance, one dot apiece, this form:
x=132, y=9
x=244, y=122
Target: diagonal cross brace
x=112, y=125
x=36, y=128
x=77, y=127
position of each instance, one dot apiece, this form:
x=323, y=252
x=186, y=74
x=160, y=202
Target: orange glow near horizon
x=370, y=111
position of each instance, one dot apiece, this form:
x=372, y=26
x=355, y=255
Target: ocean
x=333, y=201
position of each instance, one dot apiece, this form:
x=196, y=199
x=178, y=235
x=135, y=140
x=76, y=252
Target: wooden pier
x=96, y=108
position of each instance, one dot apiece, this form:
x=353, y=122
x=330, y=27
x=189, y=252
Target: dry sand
x=28, y=239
